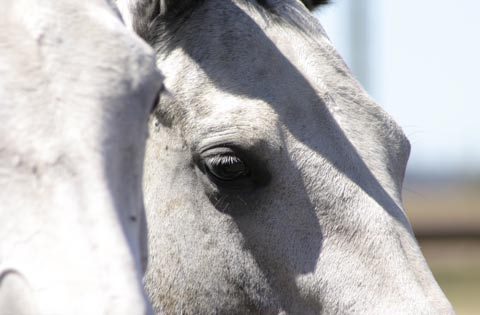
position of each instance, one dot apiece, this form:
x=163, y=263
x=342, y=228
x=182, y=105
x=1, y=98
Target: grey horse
x=76, y=91
x=272, y=180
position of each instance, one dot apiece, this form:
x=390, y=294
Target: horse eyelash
x=217, y=160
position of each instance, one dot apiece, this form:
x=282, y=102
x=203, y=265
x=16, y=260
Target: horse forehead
x=301, y=86
x=314, y=85
x=316, y=98
x=326, y=81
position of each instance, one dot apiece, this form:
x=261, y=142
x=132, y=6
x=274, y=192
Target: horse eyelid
x=154, y=105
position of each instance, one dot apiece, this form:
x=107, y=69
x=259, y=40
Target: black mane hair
x=147, y=11
x=314, y=3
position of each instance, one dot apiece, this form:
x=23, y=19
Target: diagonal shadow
x=239, y=58
x=276, y=81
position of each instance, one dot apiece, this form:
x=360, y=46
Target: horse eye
x=226, y=167
x=154, y=105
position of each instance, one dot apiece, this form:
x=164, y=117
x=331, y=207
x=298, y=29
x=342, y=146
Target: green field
x=462, y=287
x=456, y=266
x=454, y=262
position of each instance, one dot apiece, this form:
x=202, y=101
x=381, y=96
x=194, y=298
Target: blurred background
x=421, y=61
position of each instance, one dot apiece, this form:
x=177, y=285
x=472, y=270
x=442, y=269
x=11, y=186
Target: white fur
x=75, y=95
x=326, y=234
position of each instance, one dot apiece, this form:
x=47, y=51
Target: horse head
x=273, y=181
x=76, y=94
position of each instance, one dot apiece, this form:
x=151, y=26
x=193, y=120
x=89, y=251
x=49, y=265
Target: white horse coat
x=76, y=91
x=272, y=180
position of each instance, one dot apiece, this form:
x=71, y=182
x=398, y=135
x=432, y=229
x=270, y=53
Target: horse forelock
x=159, y=17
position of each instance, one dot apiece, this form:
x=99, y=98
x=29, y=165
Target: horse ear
x=312, y=4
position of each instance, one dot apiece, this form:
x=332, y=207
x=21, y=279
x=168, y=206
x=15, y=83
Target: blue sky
x=421, y=61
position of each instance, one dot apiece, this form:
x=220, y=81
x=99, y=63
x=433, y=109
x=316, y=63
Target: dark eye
x=232, y=168
x=226, y=167
x=154, y=105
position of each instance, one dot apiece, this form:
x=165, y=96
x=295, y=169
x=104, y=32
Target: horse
x=272, y=179
x=77, y=89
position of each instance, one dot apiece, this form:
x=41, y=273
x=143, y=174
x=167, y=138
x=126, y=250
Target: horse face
x=77, y=90
x=273, y=182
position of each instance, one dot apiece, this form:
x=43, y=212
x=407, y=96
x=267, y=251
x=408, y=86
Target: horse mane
x=147, y=11
x=311, y=4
